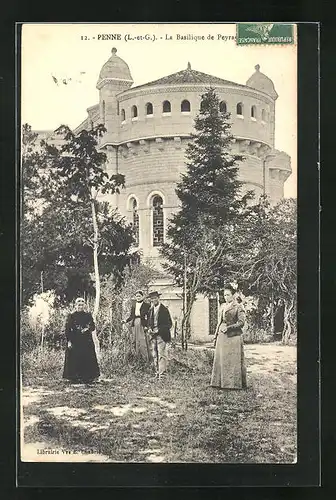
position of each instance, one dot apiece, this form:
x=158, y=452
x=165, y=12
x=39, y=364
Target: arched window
x=222, y=107
x=240, y=108
x=263, y=115
x=157, y=207
x=135, y=220
x=253, y=112
x=185, y=106
x=123, y=115
x=166, y=107
x=149, y=108
x=103, y=112
x=134, y=112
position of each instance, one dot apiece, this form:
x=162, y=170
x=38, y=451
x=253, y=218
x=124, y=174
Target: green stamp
x=264, y=33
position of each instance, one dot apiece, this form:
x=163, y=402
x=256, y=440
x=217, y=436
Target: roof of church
x=190, y=76
x=262, y=82
x=115, y=68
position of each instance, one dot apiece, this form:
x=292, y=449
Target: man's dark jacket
x=164, y=322
x=144, y=310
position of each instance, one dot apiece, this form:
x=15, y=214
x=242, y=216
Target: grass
x=130, y=417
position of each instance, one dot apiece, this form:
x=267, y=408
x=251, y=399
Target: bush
x=37, y=364
x=257, y=336
x=29, y=334
x=42, y=318
x=115, y=361
x=191, y=360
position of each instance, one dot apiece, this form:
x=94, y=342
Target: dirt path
x=133, y=418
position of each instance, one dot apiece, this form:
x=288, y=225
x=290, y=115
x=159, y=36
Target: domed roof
x=188, y=76
x=261, y=82
x=115, y=68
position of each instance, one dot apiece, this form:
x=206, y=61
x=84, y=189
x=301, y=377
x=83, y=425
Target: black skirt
x=81, y=363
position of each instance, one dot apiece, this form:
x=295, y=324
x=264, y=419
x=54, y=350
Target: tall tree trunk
x=287, y=321
x=95, y=258
x=110, y=329
x=42, y=332
x=184, y=303
x=272, y=311
x=186, y=318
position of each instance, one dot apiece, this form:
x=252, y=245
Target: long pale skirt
x=229, y=371
x=141, y=341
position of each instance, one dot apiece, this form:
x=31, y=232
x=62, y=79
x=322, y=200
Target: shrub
x=191, y=360
x=38, y=364
x=42, y=319
x=257, y=336
x=29, y=334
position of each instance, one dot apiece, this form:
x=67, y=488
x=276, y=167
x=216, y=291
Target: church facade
x=148, y=129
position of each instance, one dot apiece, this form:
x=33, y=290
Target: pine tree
x=210, y=186
x=202, y=233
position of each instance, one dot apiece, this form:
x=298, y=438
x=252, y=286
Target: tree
x=31, y=164
x=79, y=163
x=212, y=206
x=203, y=268
x=56, y=238
x=269, y=265
x=210, y=186
x=57, y=244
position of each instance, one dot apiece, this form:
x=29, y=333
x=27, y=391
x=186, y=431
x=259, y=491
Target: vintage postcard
x=158, y=233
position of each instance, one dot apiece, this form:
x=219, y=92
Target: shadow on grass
x=131, y=417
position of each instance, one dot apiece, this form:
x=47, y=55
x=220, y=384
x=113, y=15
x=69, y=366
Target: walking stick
x=147, y=344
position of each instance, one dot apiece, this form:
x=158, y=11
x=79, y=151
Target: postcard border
x=307, y=471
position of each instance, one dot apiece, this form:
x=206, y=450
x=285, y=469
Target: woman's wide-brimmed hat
x=79, y=300
x=153, y=294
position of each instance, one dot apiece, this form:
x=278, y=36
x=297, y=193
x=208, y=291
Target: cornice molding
x=149, y=183
x=144, y=138
x=120, y=81
x=257, y=184
x=175, y=138
x=161, y=89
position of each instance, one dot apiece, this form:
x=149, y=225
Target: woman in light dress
x=229, y=370
x=139, y=321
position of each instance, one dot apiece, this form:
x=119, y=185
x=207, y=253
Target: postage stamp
x=264, y=33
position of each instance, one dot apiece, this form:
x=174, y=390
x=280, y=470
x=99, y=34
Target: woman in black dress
x=81, y=363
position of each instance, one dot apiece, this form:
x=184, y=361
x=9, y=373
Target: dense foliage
x=58, y=233
x=268, y=268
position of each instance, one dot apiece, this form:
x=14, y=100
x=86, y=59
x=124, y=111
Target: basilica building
x=148, y=129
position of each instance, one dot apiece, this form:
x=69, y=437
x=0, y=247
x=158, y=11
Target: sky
x=67, y=51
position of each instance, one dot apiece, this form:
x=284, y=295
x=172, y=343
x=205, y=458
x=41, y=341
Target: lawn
x=130, y=417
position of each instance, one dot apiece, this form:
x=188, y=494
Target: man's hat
x=151, y=295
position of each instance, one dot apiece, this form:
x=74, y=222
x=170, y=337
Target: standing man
x=159, y=323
